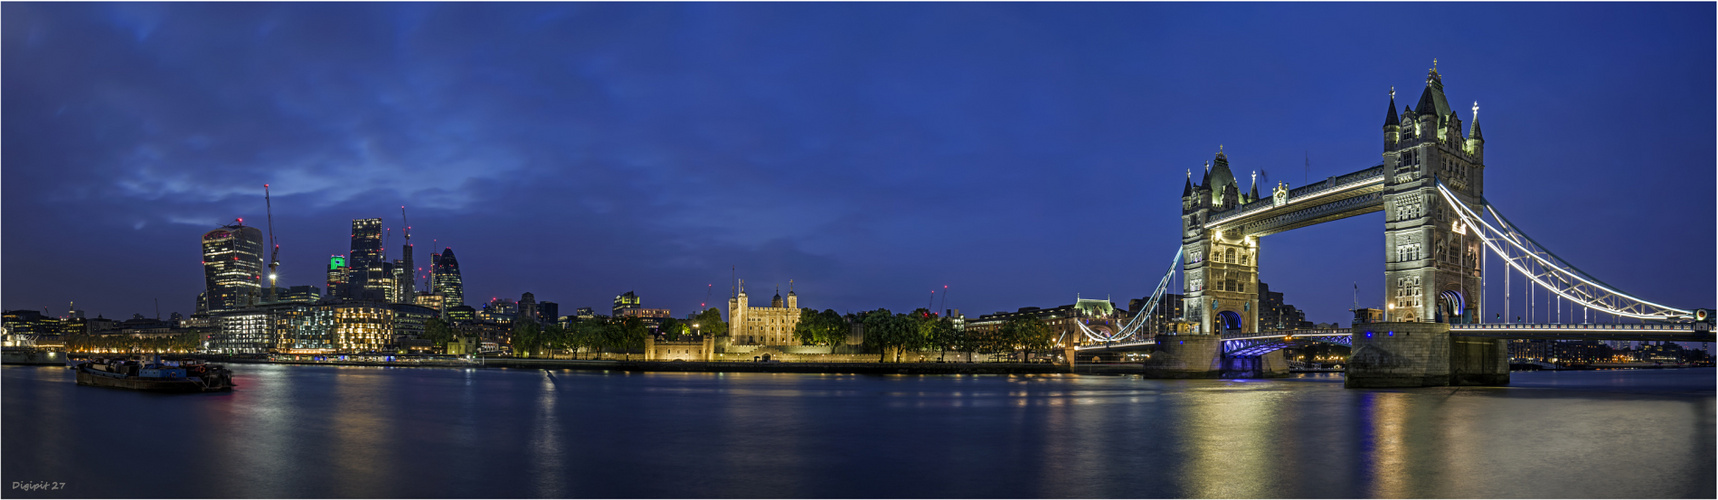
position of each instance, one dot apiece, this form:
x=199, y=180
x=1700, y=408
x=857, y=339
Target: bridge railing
x=1575, y=326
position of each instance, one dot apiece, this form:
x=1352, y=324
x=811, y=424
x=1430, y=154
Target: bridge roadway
x=1336, y=197
x=1253, y=344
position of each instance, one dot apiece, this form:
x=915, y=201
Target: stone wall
x=1478, y=361
x=1399, y=355
x=1185, y=356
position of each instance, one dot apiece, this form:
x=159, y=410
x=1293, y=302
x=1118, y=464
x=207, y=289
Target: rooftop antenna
x=274, y=256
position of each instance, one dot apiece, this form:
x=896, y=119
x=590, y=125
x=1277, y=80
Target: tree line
x=920, y=330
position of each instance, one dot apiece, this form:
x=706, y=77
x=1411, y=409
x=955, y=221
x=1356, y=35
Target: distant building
x=25, y=327
x=232, y=267
x=460, y=314
x=625, y=301
x=447, y=282
x=242, y=331
x=363, y=326
x=548, y=312
x=1063, y=321
x=431, y=301
x=1163, y=317
x=339, y=275
x=409, y=321
x=501, y=311
x=299, y=294
x=528, y=308
x=771, y=325
x=366, y=279
x=1276, y=315
x=585, y=313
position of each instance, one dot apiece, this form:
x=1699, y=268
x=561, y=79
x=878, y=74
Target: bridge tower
x=1221, y=270
x=1432, y=263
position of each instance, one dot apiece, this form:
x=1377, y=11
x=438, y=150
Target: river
x=306, y=431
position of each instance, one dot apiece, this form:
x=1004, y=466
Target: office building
x=623, y=302
x=366, y=257
x=339, y=275
x=232, y=267
x=447, y=281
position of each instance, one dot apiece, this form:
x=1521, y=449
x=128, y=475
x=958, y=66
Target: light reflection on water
x=372, y=432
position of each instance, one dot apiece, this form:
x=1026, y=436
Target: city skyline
x=1020, y=154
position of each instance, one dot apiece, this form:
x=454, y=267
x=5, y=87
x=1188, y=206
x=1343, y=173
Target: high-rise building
x=625, y=301
x=405, y=275
x=339, y=275
x=233, y=267
x=447, y=281
x=366, y=259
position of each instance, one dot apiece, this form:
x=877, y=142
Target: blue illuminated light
x=1392, y=333
x=1368, y=334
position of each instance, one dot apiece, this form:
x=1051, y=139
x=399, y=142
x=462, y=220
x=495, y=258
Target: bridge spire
x=1187, y=190
x=1390, y=119
x=1474, y=132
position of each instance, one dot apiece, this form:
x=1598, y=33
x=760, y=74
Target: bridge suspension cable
x=1550, y=272
x=1139, y=319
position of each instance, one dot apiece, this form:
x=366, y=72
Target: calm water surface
x=392, y=432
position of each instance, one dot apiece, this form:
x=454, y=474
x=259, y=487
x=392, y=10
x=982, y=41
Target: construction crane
x=706, y=303
x=274, y=256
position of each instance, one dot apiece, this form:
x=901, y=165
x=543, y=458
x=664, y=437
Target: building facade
x=771, y=325
x=232, y=267
x=447, y=282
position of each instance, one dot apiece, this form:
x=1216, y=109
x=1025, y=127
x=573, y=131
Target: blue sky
x=1020, y=154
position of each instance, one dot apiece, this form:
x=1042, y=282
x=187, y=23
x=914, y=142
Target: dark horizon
x=1021, y=154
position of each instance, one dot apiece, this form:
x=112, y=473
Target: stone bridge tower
x=1432, y=263
x=1221, y=270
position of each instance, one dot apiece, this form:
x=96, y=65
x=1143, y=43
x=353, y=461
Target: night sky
x=1021, y=154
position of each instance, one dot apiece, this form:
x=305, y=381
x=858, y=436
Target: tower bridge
x=1438, y=233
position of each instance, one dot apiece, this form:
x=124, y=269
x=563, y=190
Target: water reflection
x=1385, y=453
x=367, y=432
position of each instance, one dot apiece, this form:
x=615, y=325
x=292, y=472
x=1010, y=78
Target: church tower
x=1432, y=263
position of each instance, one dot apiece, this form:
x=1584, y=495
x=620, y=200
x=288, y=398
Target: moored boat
x=190, y=376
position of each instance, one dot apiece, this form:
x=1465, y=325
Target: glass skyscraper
x=233, y=266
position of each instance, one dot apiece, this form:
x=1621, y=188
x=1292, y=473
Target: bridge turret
x=1475, y=141
x=1392, y=124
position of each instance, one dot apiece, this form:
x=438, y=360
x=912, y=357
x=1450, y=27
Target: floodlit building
x=771, y=325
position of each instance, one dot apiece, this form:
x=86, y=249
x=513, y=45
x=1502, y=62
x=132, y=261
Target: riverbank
x=719, y=366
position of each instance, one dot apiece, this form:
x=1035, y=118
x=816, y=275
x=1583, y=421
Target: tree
x=825, y=327
x=527, y=338
x=1025, y=333
x=438, y=333
x=673, y=328
x=940, y=332
x=626, y=334
x=710, y=322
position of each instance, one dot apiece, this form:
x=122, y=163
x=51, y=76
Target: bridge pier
x=1186, y=356
x=1267, y=365
x=1422, y=355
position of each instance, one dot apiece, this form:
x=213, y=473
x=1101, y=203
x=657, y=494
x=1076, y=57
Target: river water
x=297, y=431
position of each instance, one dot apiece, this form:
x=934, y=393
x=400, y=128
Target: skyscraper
x=366, y=259
x=233, y=266
x=447, y=281
x=338, y=276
